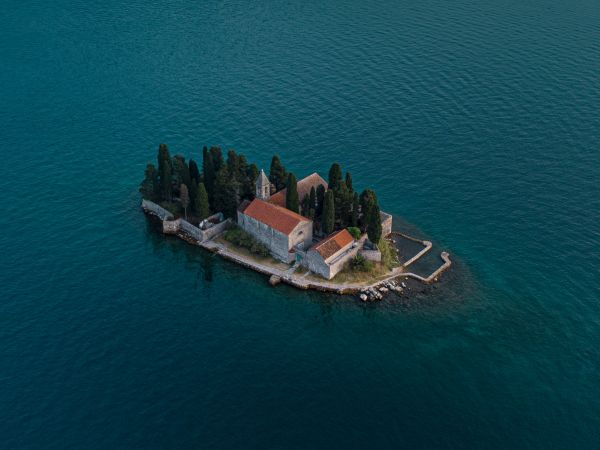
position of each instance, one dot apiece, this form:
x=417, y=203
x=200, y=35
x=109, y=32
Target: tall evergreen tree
x=164, y=171
x=209, y=173
x=335, y=176
x=368, y=198
x=355, y=210
x=305, y=205
x=320, y=200
x=184, y=198
x=242, y=168
x=349, y=182
x=194, y=172
x=277, y=173
x=150, y=187
x=181, y=171
x=226, y=195
x=217, y=157
x=249, y=184
x=328, y=219
x=346, y=208
x=291, y=194
x=374, y=224
x=201, y=202
x=312, y=199
x=233, y=164
x=343, y=204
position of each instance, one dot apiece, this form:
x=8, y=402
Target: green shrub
x=360, y=264
x=355, y=232
x=241, y=238
x=389, y=254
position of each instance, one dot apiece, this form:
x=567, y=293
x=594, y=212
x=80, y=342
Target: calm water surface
x=477, y=120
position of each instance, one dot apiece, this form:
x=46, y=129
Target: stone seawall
x=156, y=210
x=203, y=238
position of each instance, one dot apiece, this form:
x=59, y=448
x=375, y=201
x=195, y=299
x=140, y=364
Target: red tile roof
x=276, y=217
x=304, y=185
x=334, y=243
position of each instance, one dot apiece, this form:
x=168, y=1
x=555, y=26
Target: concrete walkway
x=300, y=281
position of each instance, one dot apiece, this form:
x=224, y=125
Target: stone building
x=304, y=187
x=263, y=187
x=280, y=229
x=330, y=255
x=386, y=223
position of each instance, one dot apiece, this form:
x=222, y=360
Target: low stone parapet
x=371, y=255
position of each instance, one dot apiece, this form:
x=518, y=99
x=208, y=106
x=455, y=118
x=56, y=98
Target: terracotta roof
x=334, y=243
x=304, y=185
x=281, y=219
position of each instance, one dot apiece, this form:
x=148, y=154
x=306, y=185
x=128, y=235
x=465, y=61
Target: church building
x=280, y=229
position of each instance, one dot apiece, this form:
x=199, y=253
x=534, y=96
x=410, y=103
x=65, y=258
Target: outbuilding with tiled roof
x=329, y=256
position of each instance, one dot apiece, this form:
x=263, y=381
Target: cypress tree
x=291, y=194
x=181, y=172
x=320, y=200
x=328, y=220
x=201, y=202
x=249, y=185
x=217, y=157
x=194, y=172
x=226, y=195
x=367, y=199
x=349, y=182
x=233, y=164
x=312, y=199
x=209, y=173
x=335, y=176
x=277, y=173
x=374, y=224
x=193, y=191
x=164, y=171
x=355, y=208
x=184, y=197
x=150, y=187
x=305, y=205
x=242, y=168
x=346, y=208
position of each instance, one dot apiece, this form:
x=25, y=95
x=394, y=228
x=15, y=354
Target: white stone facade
x=330, y=267
x=277, y=242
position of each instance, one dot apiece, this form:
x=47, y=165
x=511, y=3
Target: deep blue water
x=476, y=120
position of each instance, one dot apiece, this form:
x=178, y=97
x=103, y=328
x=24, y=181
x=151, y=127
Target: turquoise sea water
x=476, y=120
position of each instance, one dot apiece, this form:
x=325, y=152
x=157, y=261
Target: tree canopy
x=335, y=176
x=277, y=173
x=328, y=218
x=291, y=194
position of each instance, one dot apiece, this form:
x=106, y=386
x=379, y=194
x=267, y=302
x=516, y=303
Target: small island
x=310, y=233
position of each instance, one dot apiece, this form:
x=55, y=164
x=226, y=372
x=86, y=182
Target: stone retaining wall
x=371, y=255
x=157, y=210
x=183, y=226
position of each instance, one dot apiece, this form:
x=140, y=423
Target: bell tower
x=263, y=186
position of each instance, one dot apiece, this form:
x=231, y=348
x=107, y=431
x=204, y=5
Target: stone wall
x=386, y=223
x=371, y=255
x=275, y=241
x=171, y=226
x=157, y=210
x=183, y=226
x=215, y=230
x=301, y=236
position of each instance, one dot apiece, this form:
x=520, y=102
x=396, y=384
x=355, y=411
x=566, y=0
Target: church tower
x=263, y=186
